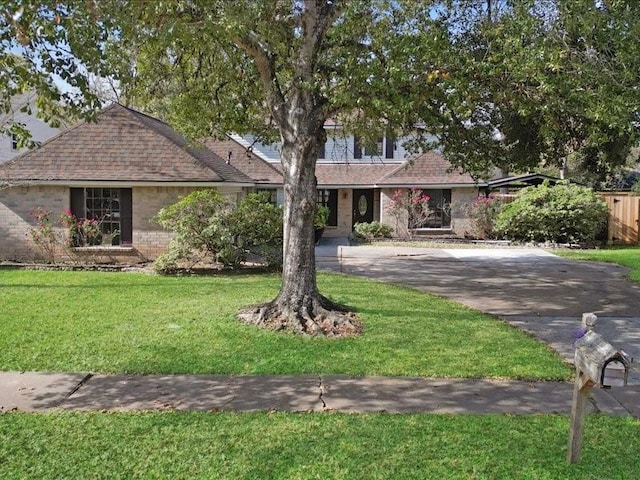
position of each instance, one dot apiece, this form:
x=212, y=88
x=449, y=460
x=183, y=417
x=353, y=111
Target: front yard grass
x=307, y=446
x=625, y=256
x=135, y=323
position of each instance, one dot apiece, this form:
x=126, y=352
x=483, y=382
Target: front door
x=362, y=206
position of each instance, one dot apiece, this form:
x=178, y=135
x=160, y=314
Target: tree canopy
x=541, y=83
x=499, y=82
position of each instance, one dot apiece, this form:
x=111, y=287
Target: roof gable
x=122, y=145
x=246, y=161
x=424, y=169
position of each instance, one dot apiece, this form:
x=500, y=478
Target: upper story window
x=382, y=147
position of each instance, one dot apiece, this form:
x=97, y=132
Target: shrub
x=205, y=223
x=321, y=217
x=561, y=213
x=372, y=231
x=201, y=223
x=259, y=228
x=43, y=235
x=483, y=213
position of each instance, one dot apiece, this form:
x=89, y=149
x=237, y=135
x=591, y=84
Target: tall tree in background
x=539, y=83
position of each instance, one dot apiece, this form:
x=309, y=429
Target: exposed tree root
x=316, y=316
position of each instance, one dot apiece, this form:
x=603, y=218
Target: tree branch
x=265, y=63
x=317, y=17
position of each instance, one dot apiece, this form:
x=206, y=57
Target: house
x=24, y=112
x=127, y=166
x=357, y=182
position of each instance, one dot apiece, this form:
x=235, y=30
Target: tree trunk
x=299, y=307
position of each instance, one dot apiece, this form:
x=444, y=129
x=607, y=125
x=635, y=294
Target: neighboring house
x=127, y=166
x=39, y=129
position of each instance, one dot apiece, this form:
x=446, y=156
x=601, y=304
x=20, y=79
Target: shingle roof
x=123, y=145
x=352, y=174
x=246, y=161
x=126, y=145
x=428, y=168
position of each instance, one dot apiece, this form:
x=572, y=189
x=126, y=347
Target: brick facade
x=16, y=207
x=149, y=239
x=461, y=199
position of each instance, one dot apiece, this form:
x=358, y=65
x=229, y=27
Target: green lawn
x=626, y=256
x=178, y=445
x=136, y=323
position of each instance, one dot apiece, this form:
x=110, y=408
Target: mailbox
x=594, y=359
x=594, y=355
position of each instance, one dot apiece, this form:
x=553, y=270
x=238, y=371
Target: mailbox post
x=593, y=355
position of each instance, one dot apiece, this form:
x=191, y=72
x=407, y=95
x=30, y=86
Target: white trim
x=239, y=139
x=432, y=185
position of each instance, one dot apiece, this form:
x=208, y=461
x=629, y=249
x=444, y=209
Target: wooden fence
x=624, y=218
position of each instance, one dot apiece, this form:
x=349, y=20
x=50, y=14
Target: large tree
x=275, y=68
x=532, y=83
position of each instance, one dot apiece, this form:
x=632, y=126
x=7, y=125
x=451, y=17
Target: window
x=329, y=199
x=14, y=142
x=375, y=149
x=109, y=207
x=439, y=209
x=381, y=146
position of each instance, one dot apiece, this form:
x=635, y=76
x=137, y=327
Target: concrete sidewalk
x=210, y=393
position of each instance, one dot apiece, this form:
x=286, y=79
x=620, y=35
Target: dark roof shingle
x=429, y=168
x=246, y=161
x=122, y=145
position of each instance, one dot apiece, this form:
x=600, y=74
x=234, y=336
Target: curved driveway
x=530, y=288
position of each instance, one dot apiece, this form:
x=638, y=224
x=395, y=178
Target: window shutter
x=77, y=202
x=389, y=146
x=323, y=149
x=357, y=150
x=126, y=216
x=332, y=221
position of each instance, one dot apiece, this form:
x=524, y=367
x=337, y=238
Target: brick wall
x=343, y=229
x=16, y=206
x=149, y=239
x=461, y=198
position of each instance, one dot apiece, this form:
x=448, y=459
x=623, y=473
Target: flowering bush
x=82, y=232
x=89, y=229
x=43, y=234
x=410, y=209
x=483, y=214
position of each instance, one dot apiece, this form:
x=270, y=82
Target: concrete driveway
x=530, y=288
